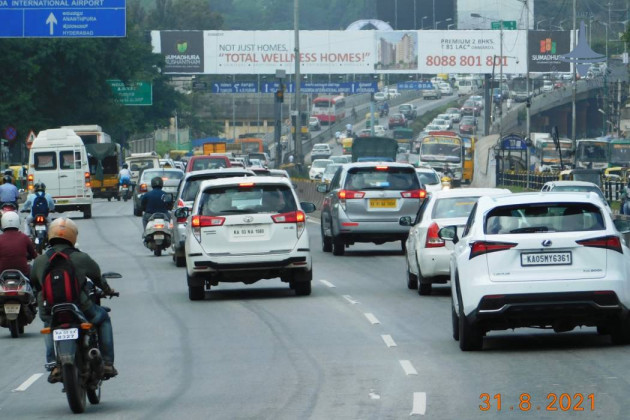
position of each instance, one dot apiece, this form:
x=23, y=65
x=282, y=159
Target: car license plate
x=69, y=334
x=382, y=203
x=546, y=258
x=62, y=201
x=40, y=227
x=248, y=231
x=11, y=308
x=156, y=236
x=103, y=189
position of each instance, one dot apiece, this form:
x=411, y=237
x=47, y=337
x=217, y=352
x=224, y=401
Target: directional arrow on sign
x=52, y=20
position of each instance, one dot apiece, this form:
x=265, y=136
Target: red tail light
x=40, y=219
x=292, y=217
x=158, y=226
x=433, y=240
x=142, y=188
x=88, y=183
x=349, y=194
x=382, y=168
x=207, y=221
x=414, y=194
x=485, y=247
x=607, y=242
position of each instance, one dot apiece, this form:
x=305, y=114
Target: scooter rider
x=39, y=190
x=9, y=192
x=153, y=202
x=62, y=235
x=16, y=249
x=124, y=176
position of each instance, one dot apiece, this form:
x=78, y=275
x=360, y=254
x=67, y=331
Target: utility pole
x=500, y=79
x=574, y=81
x=298, y=79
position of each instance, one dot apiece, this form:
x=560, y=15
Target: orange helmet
x=63, y=228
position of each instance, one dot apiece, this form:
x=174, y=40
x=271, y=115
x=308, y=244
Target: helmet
x=7, y=179
x=63, y=228
x=125, y=166
x=157, y=182
x=40, y=186
x=10, y=220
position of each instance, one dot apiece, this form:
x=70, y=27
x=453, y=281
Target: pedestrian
x=509, y=103
x=291, y=159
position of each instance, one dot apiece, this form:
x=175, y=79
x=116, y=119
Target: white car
x=542, y=260
x=443, y=124
x=576, y=186
x=428, y=256
x=445, y=88
x=547, y=86
x=380, y=96
x=432, y=127
x=245, y=230
x=447, y=117
x=429, y=178
x=316, y=170
x=380, y=131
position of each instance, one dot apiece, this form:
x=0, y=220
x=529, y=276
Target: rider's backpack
x=60, y=284
x=40, y=205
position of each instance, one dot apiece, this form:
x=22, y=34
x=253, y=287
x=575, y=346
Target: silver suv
x=188, y=189
x=364, y=203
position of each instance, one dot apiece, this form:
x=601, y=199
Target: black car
x=408, y=110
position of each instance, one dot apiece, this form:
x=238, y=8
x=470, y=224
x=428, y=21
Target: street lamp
x=422, y=21
x=606, y=25
x=442, y=21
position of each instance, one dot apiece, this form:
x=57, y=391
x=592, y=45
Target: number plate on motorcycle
x=40, y=227
x=11, y=308
x=158, y=237
x=69, y=334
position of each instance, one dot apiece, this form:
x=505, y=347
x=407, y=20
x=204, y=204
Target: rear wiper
x=530, y=229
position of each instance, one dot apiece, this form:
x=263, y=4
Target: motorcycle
x=124, y=192
x=77, y=349
x=9, y=206
x=40, y=232
x=18, y=305
x=158, y=233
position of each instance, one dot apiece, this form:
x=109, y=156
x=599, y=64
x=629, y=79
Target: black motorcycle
x=77, y=351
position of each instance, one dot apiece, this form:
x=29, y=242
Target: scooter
x=158, y=233
x=40, y=232
x=77, y=349
x=17, y=302
x=124, y=192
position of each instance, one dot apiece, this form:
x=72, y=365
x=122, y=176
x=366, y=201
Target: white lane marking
x=389, y=341
x=408, y=367
x=28, y=382
x=373, y=395
x=349, y=299
x=419, y=403
x=327, y=283
x=372, y=318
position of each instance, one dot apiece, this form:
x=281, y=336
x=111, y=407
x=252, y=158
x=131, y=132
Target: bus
x=619, y=152
x=469, y=158
x=592, y=153
x=439, y=148
x=329, y=109
x=547, y=156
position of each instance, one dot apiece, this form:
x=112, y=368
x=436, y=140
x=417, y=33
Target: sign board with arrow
x=76, y=19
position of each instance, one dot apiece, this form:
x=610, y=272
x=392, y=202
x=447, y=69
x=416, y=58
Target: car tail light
x=485, y=247
x=246, y=184
x=142, y=188
x=88, y=183
x=433, y=240
x=382, y=168
x=414, y=194
x=40, y=219
x=611, y=242
x=199, y=222
x=297, y=217
x=348, y=195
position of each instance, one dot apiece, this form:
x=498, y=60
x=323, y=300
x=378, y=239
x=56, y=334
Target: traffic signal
x=280, y=94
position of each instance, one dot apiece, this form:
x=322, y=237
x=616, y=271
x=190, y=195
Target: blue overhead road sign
x=63, y=18
x=236, y=87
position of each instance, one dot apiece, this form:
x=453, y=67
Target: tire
x=327, y=245
x=196, y=293
x=620, y=332
x=137, y=212
x=338, y=247
x=74, y=391
x=454, y=322
x=403, y=246
x=302, y=288
x=21, y=329
x=109, y=198
x=125, y=199
x=157, y=252
x=14, y=328
x=94, y=395
x=118, y=198
x=470, y=337
x=412, y=279
x=87, y=212
x=301, y=282
x=180, y=261
x=424, y=288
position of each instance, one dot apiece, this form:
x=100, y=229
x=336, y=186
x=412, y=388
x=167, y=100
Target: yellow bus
x=469, y=159
x=347, y=145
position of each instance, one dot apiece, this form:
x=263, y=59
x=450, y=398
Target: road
x=362, y=346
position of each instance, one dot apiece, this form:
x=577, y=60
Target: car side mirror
x=307, y=207
x=182, y=213
x=449, y=233
x=323, y=188
x=405, y=221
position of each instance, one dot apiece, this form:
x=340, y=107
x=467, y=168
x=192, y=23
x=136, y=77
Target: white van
x=58, y=159
x=138, y=162
x=466, y=87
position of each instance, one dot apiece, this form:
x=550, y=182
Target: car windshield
x=544, y=217
x=388, y=178
x=221, y=201
x=429, y=178
x=191, y=186
x=340, y=159
x=440, y=152
x=581, y=188
x=321, y=163
x=453, y=207
x=331, y=168
x=141, y=165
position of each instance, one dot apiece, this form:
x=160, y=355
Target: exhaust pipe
x=95, y=355
x=96, y=361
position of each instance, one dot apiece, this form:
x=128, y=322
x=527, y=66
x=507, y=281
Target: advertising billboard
x=545, y=50
x=183, y=51
x=472, y=52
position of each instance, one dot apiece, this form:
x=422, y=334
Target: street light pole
x=298, y=80
x=434, y=25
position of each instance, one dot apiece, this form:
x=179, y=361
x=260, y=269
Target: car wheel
x=454, y=322
x=326, y=241
x=87, y=212
x=301, y=282
x=180, y=260
x=403, y=246
x=620, y=332
x=470, y=337
x=137, y=212
x=412, y=279
x=339, y=248
x=424, y=284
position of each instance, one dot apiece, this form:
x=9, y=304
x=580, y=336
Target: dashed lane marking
x=28, y=382
x=389, y=341
x=327, y=283
x=419, y=404
x=408, y=367
x=349, y=299
x=370, y=317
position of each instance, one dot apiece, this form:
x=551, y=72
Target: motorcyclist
x=16, y=249
x=386, y=108
x=9, y=192
x=62, y=234
x=40, y=189
x=124, y=176
x=153, y=201
x=447, y=171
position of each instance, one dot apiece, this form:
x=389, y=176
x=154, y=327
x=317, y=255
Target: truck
x=214, y=147
x=374, y=149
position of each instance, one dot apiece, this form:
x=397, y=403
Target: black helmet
x=7, y=179
x=157, y=182
x=125, y=166
x=40, y=187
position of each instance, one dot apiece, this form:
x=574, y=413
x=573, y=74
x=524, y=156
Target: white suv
x=244, y=230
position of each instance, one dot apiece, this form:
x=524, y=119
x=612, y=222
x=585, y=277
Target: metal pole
x=574, y=81
x=501, y=79
x=233, y=111
x=297, y=94
x=528, y=102
x=176, y=132
x=434, y=25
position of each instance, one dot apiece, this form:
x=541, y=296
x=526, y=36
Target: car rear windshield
x=580, y=188
x=545, y=217
x=247, y=199
x=382, y=178
x=191, y=187
x=209, y=163
x=453, y=207
x=148, y=175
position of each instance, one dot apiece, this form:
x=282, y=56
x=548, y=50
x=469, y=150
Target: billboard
x=473, y=52
x=183, y=51
x=546, y=48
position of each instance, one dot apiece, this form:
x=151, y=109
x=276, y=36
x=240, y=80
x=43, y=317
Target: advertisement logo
x=182, y=46
x=183, y=51
x=547, y=46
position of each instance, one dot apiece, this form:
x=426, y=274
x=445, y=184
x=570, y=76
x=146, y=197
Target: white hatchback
x=244, y=230
x=427, y=255
x=541, y=260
